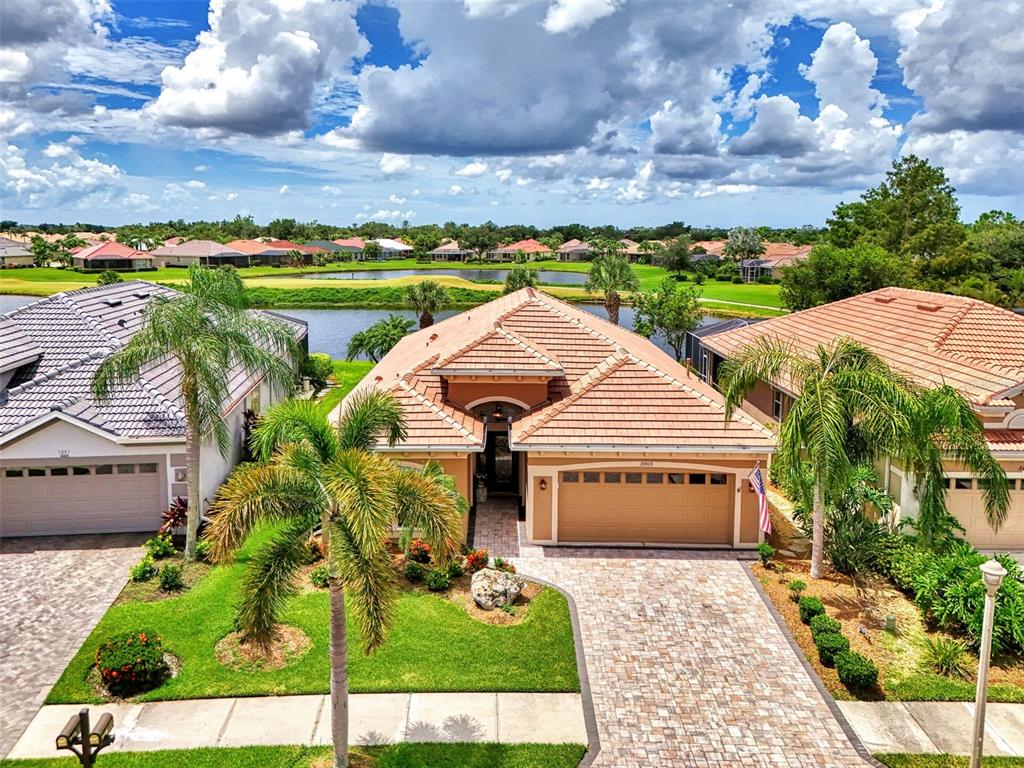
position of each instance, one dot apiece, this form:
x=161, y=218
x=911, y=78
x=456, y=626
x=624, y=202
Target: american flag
x=757, y=485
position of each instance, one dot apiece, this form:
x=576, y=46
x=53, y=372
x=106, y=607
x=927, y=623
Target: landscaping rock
x=492, y=589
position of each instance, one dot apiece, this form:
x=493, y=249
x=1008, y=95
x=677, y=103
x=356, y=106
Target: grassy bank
x=347, y=373
x=385, y=297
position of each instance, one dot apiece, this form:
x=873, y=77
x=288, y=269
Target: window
x=718, y=478
x=58, y=471
x=126, y=469
x=14, y=473
x=570, y=477
x=675, y=478
x=698, y=479
x=634, y=477
x=147, y=469
x=777, y=397
x=704, y=364
x=80, y=471
x=613, y=477
x=654, y=478
x=105, y=469
x=962, y=483
x=36, y=472
x=591, y=477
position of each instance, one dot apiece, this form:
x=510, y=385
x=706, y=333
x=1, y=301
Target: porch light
x=499, y=413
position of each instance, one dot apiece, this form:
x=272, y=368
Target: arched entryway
x=498, y=466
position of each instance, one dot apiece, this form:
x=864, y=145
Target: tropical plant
x=669, y=312
x=170, y=578
x=317, y=367
x=946, y=656
x=426, y=298
x=765, y=552
x=132, y=662
x=438, y=581
x=160, y=546
x=377, y=340
x=796, y=589
x=743, y=243
x=371, y=250
x=207, y=331
x=856, y=672
x=609, y=274
x=109, y=277
x=320, y=476
x=519, y=277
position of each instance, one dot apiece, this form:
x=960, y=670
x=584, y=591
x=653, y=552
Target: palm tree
x=519, y=277
x=425, y=298
x=207, y=332
x=610, y=274
x=377, y=340
x=851, y=407
x=326, y=477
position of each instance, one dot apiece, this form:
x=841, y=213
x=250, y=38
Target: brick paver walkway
x=53, y=590
x=497, y=528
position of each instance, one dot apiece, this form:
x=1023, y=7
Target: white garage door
x=966, y=502
x=88, y=498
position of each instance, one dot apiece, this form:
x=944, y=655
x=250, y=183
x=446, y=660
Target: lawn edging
x=827, y=697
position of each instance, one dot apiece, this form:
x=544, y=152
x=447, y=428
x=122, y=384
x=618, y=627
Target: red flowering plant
x=132, y=663
x=477, y=559
x=419, y=551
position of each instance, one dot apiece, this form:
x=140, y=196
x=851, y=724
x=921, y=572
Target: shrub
x=765, y=279
x=317, y=367
x=203, y=550
x=109, y=277
x=175, y=516
x=766, y=552
x=319, y=577
x=456, y=568
x=160, y=546
x=946, y=656
x=736, y=279
x=854, y=543
x=796, y=588
x=438, y=581
x=809, y=608
x=856, y=672
x=419, y=551
x=508, y=608
x=414, y=571
x=170, y=578
x=144, y=570
x=501, y=564
x=476, y=560
x=132, y=663
x=829, y=645
x=314, y=552
x=823, y=624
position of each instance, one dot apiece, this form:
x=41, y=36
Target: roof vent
x=122, y=322
x=929, y=307
x=378, y=379
x=885, y=299
x=433, y=337
x=142, y=295
x=113, y=302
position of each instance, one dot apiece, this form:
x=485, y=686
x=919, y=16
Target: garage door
x=657, y=507
x=965, y=502
x=90, y=498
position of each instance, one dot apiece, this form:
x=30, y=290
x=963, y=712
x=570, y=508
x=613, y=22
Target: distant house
x=699, y=356
x=777, y=257
x=275, y=253
x=328, y=246
x=14, y=254
x=451, y=251
x=712, y=248
x=206, y=252
x=110, y=255
x=393, y=249
x=351, y=245
x=574, y=250
x=632, y=251
x=529, y=247
x=175, y=241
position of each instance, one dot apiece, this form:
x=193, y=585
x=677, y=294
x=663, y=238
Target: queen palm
x=207, y=332
x=318, y=476
x=609, y=274
x=852, y=407
x=427, y=298
x=377, y=340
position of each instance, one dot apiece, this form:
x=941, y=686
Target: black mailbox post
x=84, y=741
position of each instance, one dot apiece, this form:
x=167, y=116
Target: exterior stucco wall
x=458, y=465
x=531, y=393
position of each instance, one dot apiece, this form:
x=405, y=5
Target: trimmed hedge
x=132, y=663
x=830, y=644
x=822, y=624
x=856, y=672
x=809, y=608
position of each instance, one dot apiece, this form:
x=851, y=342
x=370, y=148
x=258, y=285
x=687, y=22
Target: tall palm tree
x=377, y=340
x=207, y=332
x=852, y=406
x=610, y=274
x=425, y=299
x=320, y=476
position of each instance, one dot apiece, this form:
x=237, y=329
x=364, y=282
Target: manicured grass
x=435, y=646
x=347, y=373
x=392, y=756
x=946, y=761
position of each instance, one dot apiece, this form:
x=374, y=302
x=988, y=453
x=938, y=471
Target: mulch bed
x=150, y=592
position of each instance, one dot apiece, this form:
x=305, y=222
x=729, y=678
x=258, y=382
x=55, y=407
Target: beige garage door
x=89, y=498
x=657, y=506
x=965, y=502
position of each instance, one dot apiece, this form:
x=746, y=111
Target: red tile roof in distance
x=350, y=242
x=110, y=250
x=526, y=246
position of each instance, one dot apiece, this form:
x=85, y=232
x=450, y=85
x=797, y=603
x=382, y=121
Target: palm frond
x=295, y=421
x=428, y=502
x=767, y=359
x=368, y=414
x=359, y=483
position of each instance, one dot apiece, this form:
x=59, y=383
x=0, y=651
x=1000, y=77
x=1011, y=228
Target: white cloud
x=390, y=163
x=384, y=214
x=195, y=184
x=284, y=189
x=53, y=151
x=395, y=199
x=201, y=168
x=567, y=15
x=330, y=189
x=503, y=174
x=985, y=162
x=842, y=70
x=455, y=190
x=596, y=183
x=472, y=170
x=710, y=189
x=231, y=196
x=69, y=178
x=636, y=189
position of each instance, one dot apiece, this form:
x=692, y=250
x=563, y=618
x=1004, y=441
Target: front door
x=501, y=463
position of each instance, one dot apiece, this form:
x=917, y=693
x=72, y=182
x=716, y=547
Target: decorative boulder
x=491, y=589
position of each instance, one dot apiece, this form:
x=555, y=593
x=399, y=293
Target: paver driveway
x=53, y=590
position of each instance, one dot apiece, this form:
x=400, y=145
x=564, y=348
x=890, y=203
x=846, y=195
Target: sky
x=625, y=112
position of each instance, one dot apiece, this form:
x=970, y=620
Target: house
x=632, y=251
x=110, y=255
x=175, y=241
x=574, y=250
x=351, y=245
x=14, y=254
x=933, y=339
x=451, y=251
x=601, y=436
x=328, y=246
x=207, y=252
x=71, y=464
x=529, y=248
x=777, y=257
x=274, y=253
x=393, y=249
x=707, y=250
x=696, y=352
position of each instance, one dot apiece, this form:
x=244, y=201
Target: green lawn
x=947, y=761
x=347, y=373
x=393, y=756
x=435, y=646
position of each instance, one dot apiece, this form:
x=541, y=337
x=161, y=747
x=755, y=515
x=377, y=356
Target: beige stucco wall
x=458, y=465
x=530, y=393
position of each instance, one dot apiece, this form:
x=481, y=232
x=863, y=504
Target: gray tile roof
x=67, y=335
x=10, y=247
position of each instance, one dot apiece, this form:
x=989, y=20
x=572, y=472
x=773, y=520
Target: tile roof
x=17, y=348
x=573, y=245
x=197, y=248
x=252, y=247
x=288, y=245
x=350, y=242
x=73, y=332
x=526, y=246
x=1005, y=440
x=933, y=338
x=109, y=250
x=609, y=387
x=452, y=246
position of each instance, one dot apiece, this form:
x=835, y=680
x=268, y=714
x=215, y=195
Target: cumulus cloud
x=231, y=196
x=70, y=177
x=195, y=184
x=472, y=170
x=842, y=70
x=567, y=15
x=395, y=199
x=985, y=162
x=258, y=67
x=391, y=164
x=778, y=129
x=455, y=190
x=284, y=189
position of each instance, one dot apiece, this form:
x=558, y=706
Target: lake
x=495, y=275
x=331, y=329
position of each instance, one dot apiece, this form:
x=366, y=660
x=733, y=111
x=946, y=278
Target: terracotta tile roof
x=526, y=246
x=452, y=246
x=251, y=247
x=570, y=246
x=197, y=248
x=631, y=247
x=933, y=338
x=288, y=245
x=110, y=250
x=614, y=388
x=714, y=247
x=1005, y=440
x=350, y=242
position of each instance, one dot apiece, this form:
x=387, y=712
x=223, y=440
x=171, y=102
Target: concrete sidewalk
x=933, y=726
x=374, y=718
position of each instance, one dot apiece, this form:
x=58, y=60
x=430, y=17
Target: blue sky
x=536, y=111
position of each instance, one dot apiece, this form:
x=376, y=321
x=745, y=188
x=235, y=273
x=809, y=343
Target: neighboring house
x=777, y=257
x=110, y=255
x=207, y=252
x=603, y=437
x=351, y=245
x=697, y=353
x=274, y=253
x=712, y=249
x=175, y=240
x=529, y=248
x=14, y=254
x=934, y=339
x=70, y=464
x=393, y=249
x=451, y=251
x=325, y=246
x=631, y=250
x=574, y=250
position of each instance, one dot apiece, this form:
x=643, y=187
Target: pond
x=331, y=329
x=494, y=275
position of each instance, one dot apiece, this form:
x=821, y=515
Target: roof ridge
x=542, y=298
x=424, y=400
x=531, y=346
